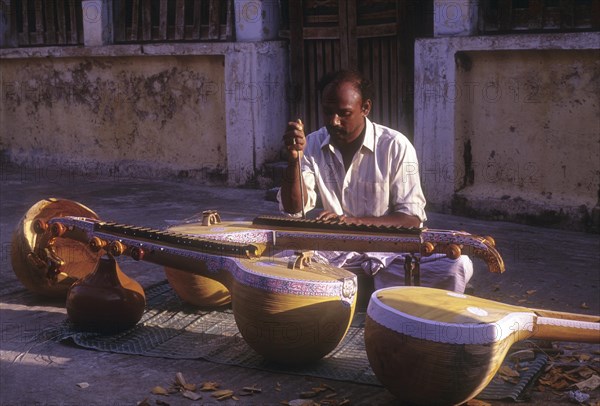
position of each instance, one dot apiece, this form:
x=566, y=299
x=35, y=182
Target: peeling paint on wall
x=533, y=124
x=160, y=112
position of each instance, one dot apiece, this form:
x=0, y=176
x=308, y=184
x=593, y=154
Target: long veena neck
x=552, y=325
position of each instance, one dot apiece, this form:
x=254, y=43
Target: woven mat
x=499, y=389
x=170, y=328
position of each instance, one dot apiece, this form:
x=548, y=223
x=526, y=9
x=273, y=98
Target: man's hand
x=294, y=139
x=331, y=217
x=394, y=219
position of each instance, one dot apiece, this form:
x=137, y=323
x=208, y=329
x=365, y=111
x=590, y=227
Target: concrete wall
x=508, y=127
x=116, y=112
x=214, y=111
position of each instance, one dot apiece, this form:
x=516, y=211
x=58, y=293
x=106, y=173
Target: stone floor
x=545, y=268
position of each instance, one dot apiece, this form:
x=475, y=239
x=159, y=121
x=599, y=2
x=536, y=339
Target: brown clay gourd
x=106, y=300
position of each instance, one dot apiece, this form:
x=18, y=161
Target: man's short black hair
x=360, y=82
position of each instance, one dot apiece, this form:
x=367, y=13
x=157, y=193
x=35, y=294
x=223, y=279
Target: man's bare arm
x=291, y=194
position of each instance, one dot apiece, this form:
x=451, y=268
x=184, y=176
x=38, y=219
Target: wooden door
x=375, y=37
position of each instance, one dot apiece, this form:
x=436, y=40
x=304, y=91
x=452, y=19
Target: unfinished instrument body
x=429, y=346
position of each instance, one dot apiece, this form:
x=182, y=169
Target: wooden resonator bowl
x=434, y=347
x=287, y=315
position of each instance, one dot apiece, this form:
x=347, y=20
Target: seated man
x=364, y=173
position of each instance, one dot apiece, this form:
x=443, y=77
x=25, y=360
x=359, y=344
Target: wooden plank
x=179, y=19
x=146, y=20
x=312, y=96
x=352, y=18
x=567, y=14
x=381, y=30
x=24, y=37
x=135, y=10
x=334, y=56
x=62, y=23
x=39, y=23
x=321, y=33
x=162, y=20
x=386, y=95
x=535, y=13
x=320, y=69
x=366, y=67
x=213, y=19
x=595, y=14
x=11, y=11
x=337, y=55
x=403, y=58
x=321, y=19
x=376, y=77
x=78, y=23
x=121, y=13
x=50, y=27
x=230, y=21
x=373, y=17
x=504, y=15
x=488, y=17
x=343, y=32
x=72, y=38
x=394, y=83
x=197, y=22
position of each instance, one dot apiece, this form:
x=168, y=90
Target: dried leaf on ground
x=222, y=394
x=584, y=357
x=209, y=386
x=159, y=390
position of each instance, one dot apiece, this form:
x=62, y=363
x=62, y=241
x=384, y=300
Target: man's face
x=344, y=112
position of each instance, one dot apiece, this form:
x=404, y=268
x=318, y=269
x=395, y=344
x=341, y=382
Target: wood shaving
x=191, y=395
x=589, y=384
